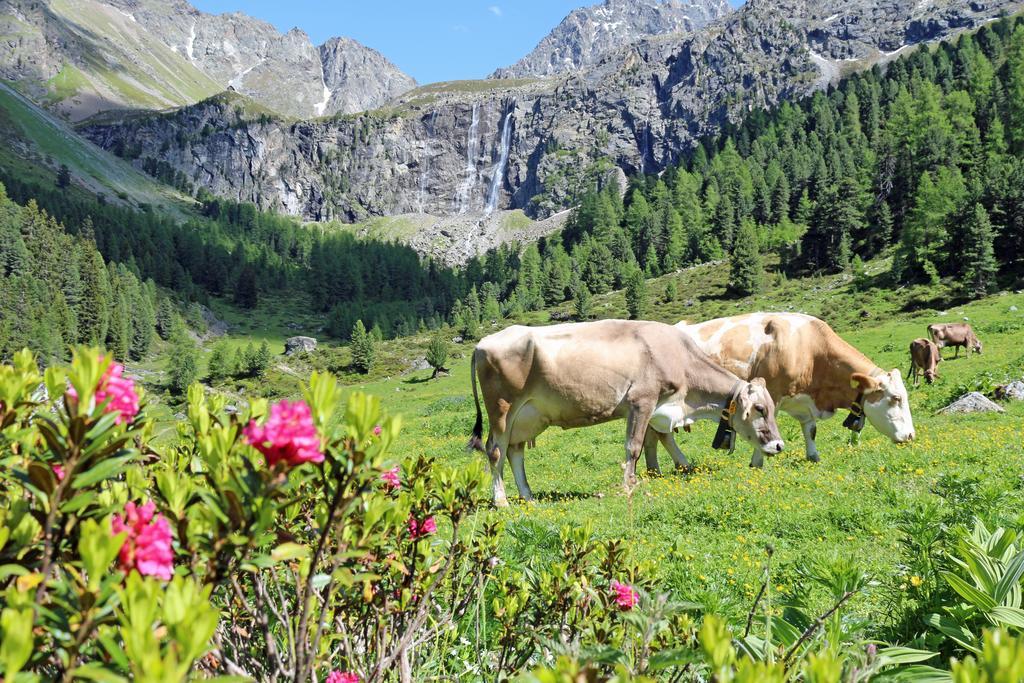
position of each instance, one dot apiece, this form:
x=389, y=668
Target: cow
x=580, y=374
x=924, y=358
x=811, y=373
x=955, y=335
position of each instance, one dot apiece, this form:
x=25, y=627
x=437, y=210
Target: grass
x=35, y=140
x=707, y=532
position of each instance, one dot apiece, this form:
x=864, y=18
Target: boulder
x=973, y=402
x=419, y=364
x=1014, y=391
x=297, y=345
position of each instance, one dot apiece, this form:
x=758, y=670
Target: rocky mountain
x=590, y=33
x=85, y=56
x=470, y=148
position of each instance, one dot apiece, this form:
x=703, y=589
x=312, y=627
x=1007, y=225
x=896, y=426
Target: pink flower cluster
x=339, y=677
x=392, y=478
x=288, y=435
x=147, y=549
x=117, y=392
x=626, y=596
x=418, y=530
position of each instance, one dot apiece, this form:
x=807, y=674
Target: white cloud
x=495, y=10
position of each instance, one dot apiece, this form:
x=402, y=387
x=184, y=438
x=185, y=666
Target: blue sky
x=432, y=41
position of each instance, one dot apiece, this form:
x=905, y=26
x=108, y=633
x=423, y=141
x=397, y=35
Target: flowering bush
x=284, y=543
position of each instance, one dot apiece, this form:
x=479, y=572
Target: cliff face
x=590, y=33
x=87, y=56
x=468, y=148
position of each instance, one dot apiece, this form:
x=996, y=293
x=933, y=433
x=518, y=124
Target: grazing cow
x=810, y=372
x=575, y=375
x=924, y=358
x=955, y=335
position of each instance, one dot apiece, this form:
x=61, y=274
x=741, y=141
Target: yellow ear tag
x=732, y=408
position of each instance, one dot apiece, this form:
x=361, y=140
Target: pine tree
x=63, y=176
x=978, y=258
x=246, y=290
x=746, y=270
x=636, y=293
x=166, y=316
x=437, y=354
x=583, y=301
x=671, y=292
x=259, y=361
x=183, y=364
x=143, y=322
x=93, y=315
x=219, y=366
x=364, y=349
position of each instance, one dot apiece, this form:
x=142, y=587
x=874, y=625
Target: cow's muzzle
x=773, y=447
x=905, y=437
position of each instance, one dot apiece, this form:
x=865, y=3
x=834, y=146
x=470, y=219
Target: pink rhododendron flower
x=626, y=596
x=288, y=435
x=58, y=472
x=117, y=392
x=147, y=549
x=377, y=430
x=339, y=677
x=392, y=478
x=418, y=530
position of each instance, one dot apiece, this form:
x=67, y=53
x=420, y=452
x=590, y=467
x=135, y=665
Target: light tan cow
x=810, y=371
x=576, y=375
x=924, y=358
x=955, y=335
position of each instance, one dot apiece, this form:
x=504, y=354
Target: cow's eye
x=761, y=409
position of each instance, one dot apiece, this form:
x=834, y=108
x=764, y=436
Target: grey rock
x=1014, y=391
x=297, y=345
x=419, y=364
x=457, y=340
x=589, y=33
x=973, y=402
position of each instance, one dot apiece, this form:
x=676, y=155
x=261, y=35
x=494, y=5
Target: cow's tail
x=476, y=443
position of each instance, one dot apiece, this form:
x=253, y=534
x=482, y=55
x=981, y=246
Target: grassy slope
x=49, y=142
x=707, y=531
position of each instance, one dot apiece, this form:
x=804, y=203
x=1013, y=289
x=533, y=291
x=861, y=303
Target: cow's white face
x=887, y=406
x=754, y=420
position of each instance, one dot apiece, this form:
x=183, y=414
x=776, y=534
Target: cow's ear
x=759, y=382
x=865, y=383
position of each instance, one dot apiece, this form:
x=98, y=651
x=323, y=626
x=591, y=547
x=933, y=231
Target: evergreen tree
x=978, y=258
x=746, y=270
x=636, y=293
x=671, y=292
x=246, y=289
x=143, y=322
x=364, y=349
x=166, y=316
x=583, y=301
x=183, y=363
x=220, y=366
x=63, y=176
x=93, y=314
x=258, y=361
x=437, y=353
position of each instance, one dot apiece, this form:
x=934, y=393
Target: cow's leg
x=636, y=431
x=956, y=351
x=678, y=457
x=496, y=459
x=651, y=452
x=757, y=459
x=516, y=456
x=810, y=429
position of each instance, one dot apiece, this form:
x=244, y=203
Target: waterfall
x=425, y=173
x=462, y=197
x=498, y=173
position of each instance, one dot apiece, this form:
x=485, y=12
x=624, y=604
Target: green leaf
x=96, y=672
x=914, y=674
x=289, y=551
x=975, y=597
x=954, y=630
x=105, y=470
x=16, y=640
x=1010, y=578
x=891, y=656
x=1011, y=616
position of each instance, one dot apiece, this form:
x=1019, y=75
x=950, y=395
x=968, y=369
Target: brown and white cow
x=955, y=335
x=924, y=358
x=810, y=371
x=576, y=375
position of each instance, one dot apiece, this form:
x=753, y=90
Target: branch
x=816, y=625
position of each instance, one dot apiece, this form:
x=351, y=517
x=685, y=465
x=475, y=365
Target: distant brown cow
x=955, y=335
x=924, y=358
